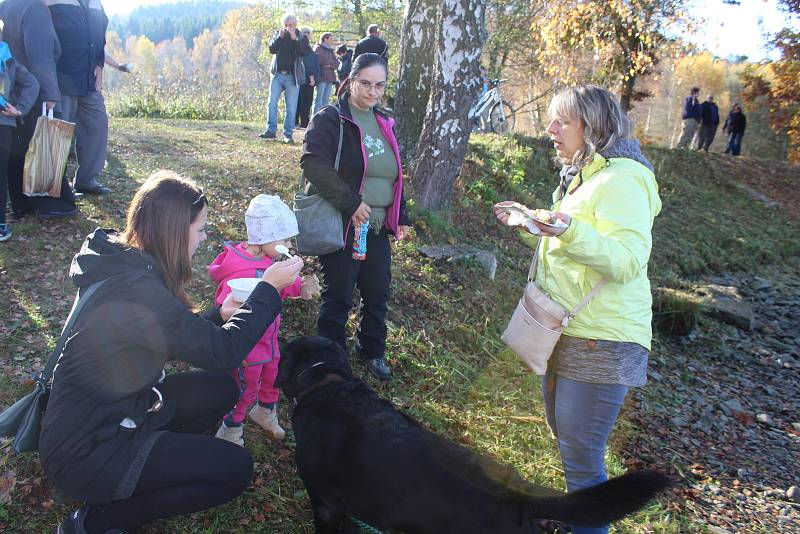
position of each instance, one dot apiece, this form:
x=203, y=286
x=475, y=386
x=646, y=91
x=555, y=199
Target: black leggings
x=185, y=471
x=6, y=132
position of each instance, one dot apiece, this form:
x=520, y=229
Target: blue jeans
x=322, y=96
x=582, y=416
x=282, y=83
x=734, y=144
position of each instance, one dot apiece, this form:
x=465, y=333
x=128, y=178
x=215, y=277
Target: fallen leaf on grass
x=7, y=482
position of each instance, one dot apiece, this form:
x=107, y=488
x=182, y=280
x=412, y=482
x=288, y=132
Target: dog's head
x=307, y=360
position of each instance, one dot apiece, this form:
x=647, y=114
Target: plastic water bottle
x=360, y=241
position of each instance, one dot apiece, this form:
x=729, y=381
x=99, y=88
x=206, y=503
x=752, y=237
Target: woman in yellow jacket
x=608, y=197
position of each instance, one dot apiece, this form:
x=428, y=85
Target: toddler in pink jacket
x=269, y=223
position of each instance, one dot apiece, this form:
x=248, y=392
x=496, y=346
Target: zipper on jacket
x=363, y=174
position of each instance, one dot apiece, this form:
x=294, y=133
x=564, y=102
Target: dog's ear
x=336, y=356
x=290, y=357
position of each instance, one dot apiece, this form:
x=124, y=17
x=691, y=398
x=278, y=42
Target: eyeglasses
x=380, y=86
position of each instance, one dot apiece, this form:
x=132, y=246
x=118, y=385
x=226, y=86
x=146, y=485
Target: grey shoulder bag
x=23, y=419
x=319, y=223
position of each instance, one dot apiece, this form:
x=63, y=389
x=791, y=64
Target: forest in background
x=211, y=61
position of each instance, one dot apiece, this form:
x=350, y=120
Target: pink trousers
x=254, y=381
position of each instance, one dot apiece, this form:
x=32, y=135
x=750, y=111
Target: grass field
x=451, y=371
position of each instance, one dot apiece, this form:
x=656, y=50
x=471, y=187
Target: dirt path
x=722, y=407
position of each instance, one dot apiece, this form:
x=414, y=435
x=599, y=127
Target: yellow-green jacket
x=610, y=235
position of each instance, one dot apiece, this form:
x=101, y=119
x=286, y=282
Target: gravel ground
x=721, y=412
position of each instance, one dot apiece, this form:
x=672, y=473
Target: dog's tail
x=603, y=503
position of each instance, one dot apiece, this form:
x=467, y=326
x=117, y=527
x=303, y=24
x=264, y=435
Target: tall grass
x=186, y=102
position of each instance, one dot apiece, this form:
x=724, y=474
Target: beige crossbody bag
x=537, y=323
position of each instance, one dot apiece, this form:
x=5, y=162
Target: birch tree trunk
x=445, y=133
x=416, y=72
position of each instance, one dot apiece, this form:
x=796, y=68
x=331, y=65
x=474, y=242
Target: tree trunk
x=457, y=83
x=358, y=14
x=626, y=93
x=416, y=72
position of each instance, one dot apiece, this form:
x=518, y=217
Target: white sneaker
x=268, y=420
x=231, y=433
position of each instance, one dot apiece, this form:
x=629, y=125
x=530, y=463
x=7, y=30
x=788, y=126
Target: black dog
x=361, y=458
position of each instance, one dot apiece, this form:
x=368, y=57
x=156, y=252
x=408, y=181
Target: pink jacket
x=236, y=262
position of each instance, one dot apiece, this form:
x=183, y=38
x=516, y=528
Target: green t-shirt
x=381, y=172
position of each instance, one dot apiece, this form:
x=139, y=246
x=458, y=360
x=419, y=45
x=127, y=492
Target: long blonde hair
x=604, y=122
x=158, y=223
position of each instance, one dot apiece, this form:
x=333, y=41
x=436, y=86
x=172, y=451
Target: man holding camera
x=288, y=47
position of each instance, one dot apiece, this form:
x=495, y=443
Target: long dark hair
x=158, y=223
x=364, y=61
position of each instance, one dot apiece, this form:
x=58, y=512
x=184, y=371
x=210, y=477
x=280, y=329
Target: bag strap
x=80, y=300
x=338, y=149
x=532, y=278
x=46, y=112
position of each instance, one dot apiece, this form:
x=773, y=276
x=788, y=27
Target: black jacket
x=710, y=113
x=735, y=123
x=82, y=34
x=374, y=45
x=29, y=32
x=120, y=342
x=345, y=63
x=341, y=189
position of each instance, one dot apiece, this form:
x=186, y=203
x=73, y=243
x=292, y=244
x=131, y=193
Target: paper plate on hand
x=519, y=215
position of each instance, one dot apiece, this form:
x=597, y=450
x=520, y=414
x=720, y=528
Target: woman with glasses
x=117, y=432
x=367, y=188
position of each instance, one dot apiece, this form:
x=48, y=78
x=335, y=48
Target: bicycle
x=491, y=113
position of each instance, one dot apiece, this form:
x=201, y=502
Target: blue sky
x=727, y=30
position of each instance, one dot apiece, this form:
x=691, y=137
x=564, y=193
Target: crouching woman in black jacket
x=117, y=433
x=367, y=188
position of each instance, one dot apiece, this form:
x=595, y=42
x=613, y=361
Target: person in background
x=30, y=34
x=691, y=118
x=18, y=92
x=81, y=29
x=305, y=97
x=367, y=188
x=485, y=81
x=608, y=198
x=345, y=56
x=327, y=71
x=735, y=125
x=288, y=47
x=708, y=123
x=372, y=44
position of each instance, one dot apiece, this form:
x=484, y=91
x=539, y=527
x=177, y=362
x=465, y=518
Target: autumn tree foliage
x=779, y=84
x=625, y=38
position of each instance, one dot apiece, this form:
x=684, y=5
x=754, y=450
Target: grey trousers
x=706, y=136
x=91, y=134
x=690, y=127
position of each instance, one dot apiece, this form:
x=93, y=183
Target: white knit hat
x=268, y=219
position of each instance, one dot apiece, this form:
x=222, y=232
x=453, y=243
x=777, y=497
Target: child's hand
x=11, y=111
x=310, y=287
x=229, y=307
